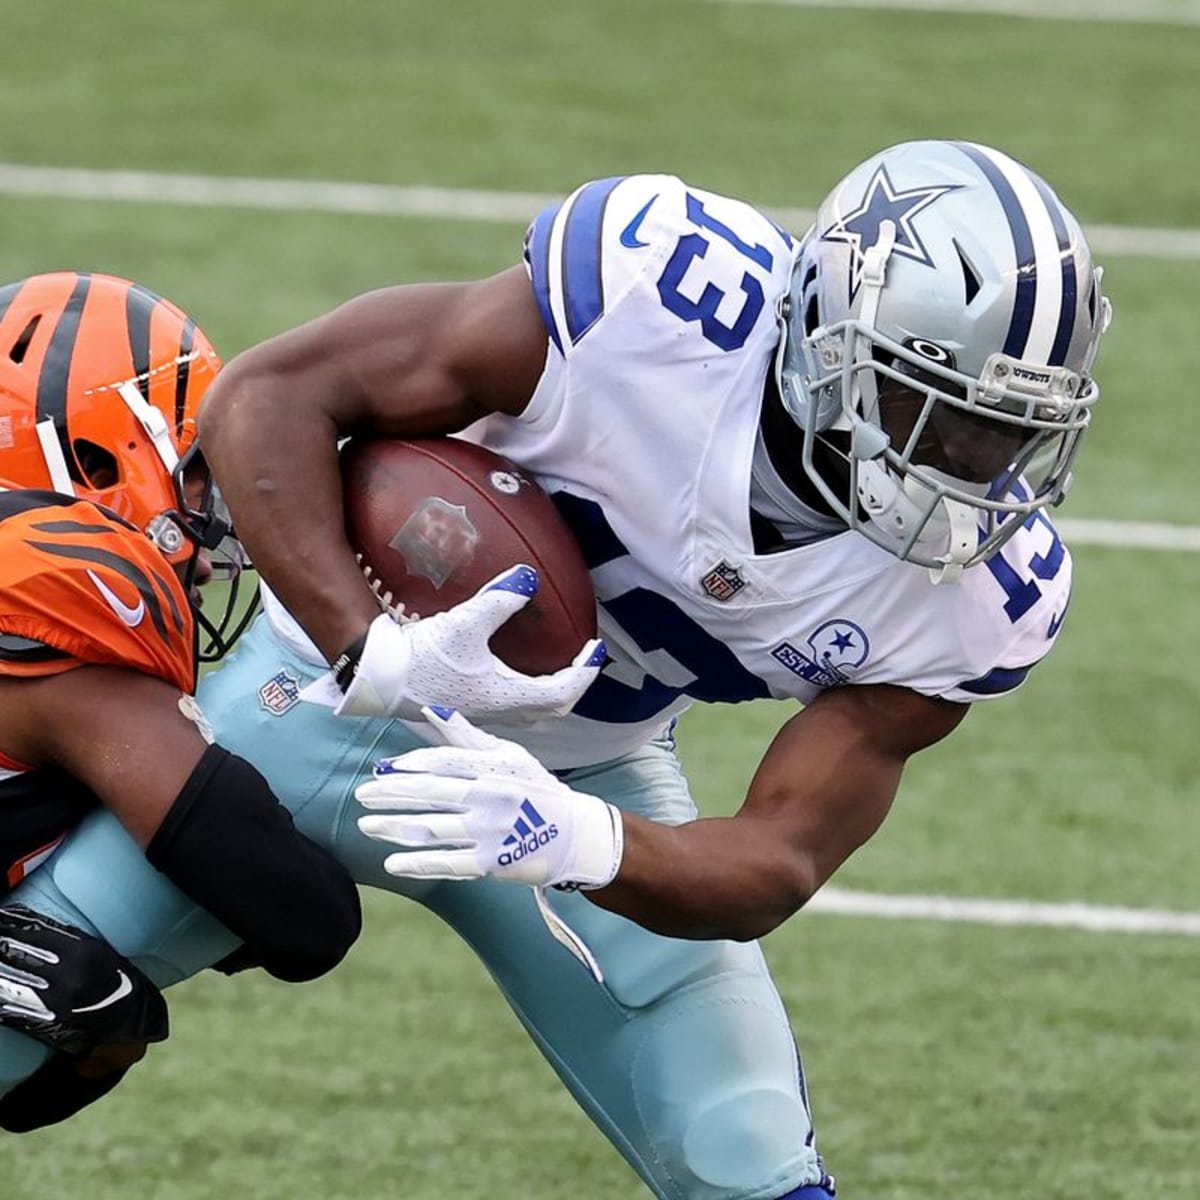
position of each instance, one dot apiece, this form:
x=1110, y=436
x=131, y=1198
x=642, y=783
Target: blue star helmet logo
x=860, y=227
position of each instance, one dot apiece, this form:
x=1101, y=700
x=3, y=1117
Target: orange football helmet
x=100, y=383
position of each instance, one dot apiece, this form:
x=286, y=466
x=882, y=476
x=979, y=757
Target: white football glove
x=478, y=805
x=445, y=659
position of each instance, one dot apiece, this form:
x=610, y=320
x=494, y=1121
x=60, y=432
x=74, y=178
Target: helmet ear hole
x=99, y=467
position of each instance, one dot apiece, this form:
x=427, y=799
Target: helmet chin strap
x=874, y=277
x=52, y=453
x=152, y=421
x=964, y=538
x=900, y=506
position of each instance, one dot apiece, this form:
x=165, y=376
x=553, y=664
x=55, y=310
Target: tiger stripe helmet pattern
x=100, y=383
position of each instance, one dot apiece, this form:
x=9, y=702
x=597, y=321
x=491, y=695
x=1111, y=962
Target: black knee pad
x=72, y=991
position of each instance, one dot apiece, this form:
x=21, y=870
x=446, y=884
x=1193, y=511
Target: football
x=433, y=519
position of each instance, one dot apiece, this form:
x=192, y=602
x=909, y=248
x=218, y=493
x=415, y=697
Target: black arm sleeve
x=231, y=846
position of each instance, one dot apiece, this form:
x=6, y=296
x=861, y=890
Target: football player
x=866, y=427
x=108, y=527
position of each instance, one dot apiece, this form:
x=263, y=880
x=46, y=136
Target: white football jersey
x=660, y=304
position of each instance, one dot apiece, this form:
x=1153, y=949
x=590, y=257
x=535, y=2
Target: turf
x=952, y=1061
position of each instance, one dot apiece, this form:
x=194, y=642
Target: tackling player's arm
x=403, y=361
x=204, y=817
x=821, y=791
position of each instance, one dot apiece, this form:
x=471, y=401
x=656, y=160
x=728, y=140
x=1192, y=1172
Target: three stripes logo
x=530, y=832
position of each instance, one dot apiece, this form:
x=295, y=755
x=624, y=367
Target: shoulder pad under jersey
x=584, y=254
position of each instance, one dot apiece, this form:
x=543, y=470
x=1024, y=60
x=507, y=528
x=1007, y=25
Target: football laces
x=396, y=609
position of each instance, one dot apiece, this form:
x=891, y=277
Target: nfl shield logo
x=279, y=693
x=723, y=581
x=437, y=539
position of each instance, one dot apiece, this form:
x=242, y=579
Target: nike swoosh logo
x=1057, y=620
x=123, y=988
x=629, y=235
x=131, y=616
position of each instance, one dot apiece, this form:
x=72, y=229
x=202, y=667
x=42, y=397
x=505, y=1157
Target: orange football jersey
x=79, y=586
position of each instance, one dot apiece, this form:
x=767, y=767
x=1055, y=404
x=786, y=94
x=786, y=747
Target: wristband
x=343, y=667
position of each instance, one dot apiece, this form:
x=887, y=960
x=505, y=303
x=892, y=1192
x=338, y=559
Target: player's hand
x=446, y=660
x=71, y=991
x=478, y=805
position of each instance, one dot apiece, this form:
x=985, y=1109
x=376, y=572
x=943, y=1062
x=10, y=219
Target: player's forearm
x=736, y=877
x=275, y=458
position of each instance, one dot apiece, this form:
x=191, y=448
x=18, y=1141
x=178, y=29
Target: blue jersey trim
x=995, y=683
x=583, y=286
x=596, y=538
x=537, y=257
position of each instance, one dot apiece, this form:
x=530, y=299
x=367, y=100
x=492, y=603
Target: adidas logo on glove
x=530, y=832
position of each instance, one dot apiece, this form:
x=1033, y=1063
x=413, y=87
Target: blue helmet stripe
x=583, y=287
x=1022, y=317
x=1070, y=285
x=537, y=258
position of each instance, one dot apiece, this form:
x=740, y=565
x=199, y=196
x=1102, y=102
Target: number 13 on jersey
x=726, y=277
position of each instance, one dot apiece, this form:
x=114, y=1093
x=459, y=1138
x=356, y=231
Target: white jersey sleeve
x=660, y=303
x=588, y=252
x=1014, y=606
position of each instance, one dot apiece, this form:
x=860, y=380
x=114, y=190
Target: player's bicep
x=408, y=360
x=120, y=733
x=831, y=774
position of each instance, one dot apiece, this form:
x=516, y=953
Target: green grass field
x=946, y=1060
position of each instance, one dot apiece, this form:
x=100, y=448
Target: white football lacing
x=397, y=611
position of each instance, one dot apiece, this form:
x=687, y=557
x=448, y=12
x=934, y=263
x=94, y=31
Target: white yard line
x=452, y=204
x=298, y=195
x=518, y=207
x=463, y=204
x=1130, y=535
x=1097, y=918
x=1137, y=12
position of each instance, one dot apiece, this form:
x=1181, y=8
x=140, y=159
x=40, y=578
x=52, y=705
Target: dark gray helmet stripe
x=1026, y=258
x=186, y=342
x=140, y=304
x=56, y=367
x=8, y=294
x=1070, y=284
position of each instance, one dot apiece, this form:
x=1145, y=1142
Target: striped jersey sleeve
x=1023, y=593
x=79, y=586
x=583, y=253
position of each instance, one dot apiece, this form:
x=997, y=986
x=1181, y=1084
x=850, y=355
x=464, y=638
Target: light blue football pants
x=683, y=1057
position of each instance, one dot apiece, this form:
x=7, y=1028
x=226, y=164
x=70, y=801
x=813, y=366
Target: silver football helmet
x=938, y=338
